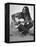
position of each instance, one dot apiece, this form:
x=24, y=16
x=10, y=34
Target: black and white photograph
x=21, y=23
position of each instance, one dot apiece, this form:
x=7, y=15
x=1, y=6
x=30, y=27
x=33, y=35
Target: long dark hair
x=27, y=12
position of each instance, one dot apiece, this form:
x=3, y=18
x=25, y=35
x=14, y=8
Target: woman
x=25, y=15
x=27, y=21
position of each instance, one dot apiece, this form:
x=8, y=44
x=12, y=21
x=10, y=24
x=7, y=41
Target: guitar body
x=25, y=28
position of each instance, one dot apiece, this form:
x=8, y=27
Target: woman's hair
x=26, y=9
x=27, y=12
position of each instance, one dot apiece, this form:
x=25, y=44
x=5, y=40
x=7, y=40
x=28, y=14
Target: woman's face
x=24, y=10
